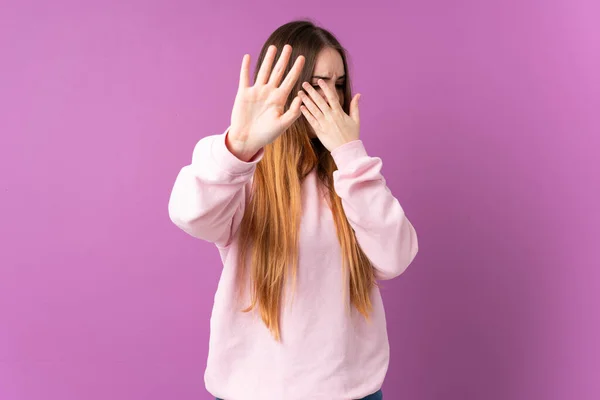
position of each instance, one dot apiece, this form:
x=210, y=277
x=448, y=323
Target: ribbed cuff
x=348, y=152
x=228, y=161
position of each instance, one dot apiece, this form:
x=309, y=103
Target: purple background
x=485, y=114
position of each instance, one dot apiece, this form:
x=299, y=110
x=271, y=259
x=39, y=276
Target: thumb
x=292, y=114
x=354, y=114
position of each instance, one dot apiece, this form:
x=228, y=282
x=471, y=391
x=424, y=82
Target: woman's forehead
x=329, y=63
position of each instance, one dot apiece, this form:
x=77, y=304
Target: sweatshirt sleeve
x=384, y=233
x=209, y=195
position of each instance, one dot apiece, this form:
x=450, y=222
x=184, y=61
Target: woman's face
x=329, y=67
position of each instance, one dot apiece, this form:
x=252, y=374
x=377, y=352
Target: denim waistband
x=378, y=395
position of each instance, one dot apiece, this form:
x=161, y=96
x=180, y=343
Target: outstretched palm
x=258, y=116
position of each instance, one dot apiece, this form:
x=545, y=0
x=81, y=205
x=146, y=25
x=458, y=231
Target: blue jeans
x=375, y=396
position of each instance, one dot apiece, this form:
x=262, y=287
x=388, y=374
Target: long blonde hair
x=269, y=231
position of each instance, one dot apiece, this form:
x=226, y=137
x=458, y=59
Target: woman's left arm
x=382, y=229
x=384, y=233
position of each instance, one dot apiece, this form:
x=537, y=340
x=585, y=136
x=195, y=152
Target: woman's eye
x=339, y=86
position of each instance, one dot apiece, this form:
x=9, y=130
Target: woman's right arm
x=208, y=198
x=209, y=195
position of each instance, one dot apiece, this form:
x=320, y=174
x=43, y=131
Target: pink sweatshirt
x=327, y=352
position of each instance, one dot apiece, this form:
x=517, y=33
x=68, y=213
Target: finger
x=293, y=75
x=265, y=67
x=316, y=97
x=332, y=99
x=280, y=66
x=292, y=114
x=245, y=72
x=308, y=103
x=309, y=117
x=354, y=114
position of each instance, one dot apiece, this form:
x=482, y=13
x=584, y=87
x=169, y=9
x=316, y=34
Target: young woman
x=304, y=224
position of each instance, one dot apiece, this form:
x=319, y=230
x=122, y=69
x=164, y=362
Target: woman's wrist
x=241, y=149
